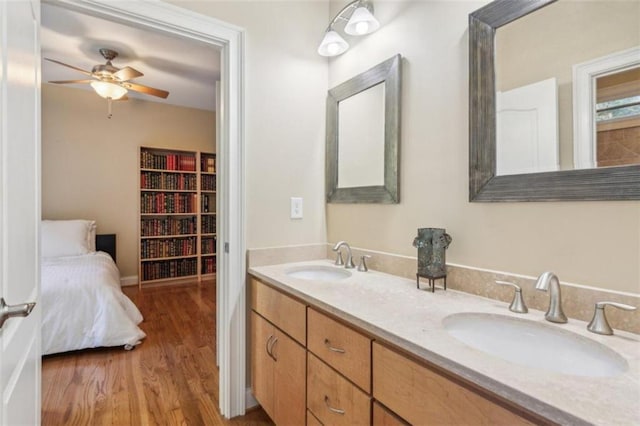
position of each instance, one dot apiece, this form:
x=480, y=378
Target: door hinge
x=226, y=247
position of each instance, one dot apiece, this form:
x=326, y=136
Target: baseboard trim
x=128, y=281
x=250, y=401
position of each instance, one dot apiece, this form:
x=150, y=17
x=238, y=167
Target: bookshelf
x=177, y=215
x=208, y=235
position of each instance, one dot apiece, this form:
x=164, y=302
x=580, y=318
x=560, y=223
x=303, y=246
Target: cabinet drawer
x=384, y=417
x=341, y=347
x=287, y=314
x=418, y=394
x=332, y=398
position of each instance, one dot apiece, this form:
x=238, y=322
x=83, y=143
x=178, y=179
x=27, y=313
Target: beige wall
x=590, y=243
x=286, y=86
x=90, y=163
x=544, y=44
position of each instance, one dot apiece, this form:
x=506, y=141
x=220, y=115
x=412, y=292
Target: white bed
x=83, y=305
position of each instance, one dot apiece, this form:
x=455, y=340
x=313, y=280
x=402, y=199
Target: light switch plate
x=296, y=208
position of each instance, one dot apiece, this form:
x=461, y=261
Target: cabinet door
x=289, y=361
x=262, y=334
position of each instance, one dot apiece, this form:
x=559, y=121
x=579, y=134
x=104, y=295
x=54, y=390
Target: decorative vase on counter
x=432, y=244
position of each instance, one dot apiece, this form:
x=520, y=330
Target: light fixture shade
x=332, y=44
x=361, y=22
x=108, y=90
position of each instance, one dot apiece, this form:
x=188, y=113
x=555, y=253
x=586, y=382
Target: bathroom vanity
x=369, y=348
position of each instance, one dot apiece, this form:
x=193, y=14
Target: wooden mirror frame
x=609, y=183
x=389, y=74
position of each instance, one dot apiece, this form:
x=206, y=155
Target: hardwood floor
x=169, y=379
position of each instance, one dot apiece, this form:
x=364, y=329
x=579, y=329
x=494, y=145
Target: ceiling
x=186, y=68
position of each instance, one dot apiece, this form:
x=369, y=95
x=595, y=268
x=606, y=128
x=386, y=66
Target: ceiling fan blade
x=71, y=81
x=146, y=89
x=69, y=66
x=127, y=73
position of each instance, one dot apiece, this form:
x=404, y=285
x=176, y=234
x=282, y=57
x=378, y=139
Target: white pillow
x=67, y=237
x=91, y=236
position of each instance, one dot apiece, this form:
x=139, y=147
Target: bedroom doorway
x=230, y=297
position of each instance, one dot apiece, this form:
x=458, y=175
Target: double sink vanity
x=339, y=346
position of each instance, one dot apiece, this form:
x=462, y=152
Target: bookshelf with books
x=177, y=202
x=208, y=236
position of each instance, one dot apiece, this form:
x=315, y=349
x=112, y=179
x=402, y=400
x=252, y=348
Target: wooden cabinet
x=423, y=396
x=349, y=377
x=278, y=357
x=277, y=372
x=332, y=398
x=177, y=238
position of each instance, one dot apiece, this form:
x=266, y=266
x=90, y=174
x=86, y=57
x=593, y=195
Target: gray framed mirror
x=600, y=183
x=363, y=136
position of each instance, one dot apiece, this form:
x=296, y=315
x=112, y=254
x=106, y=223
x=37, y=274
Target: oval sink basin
x=535, y=345
x=319, y=273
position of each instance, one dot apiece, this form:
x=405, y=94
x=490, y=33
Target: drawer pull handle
x=270, y=342
x=327, y=343
x=333, y=410
x=273, y=345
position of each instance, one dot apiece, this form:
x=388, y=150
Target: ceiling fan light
x=361, y=22
x=108, y=90
x=332, y=44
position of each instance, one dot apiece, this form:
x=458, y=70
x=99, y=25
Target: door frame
x=231, y=275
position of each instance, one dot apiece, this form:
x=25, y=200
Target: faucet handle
x=599, y=323
x=362, y=267
x=517, y=304
x=339, y=260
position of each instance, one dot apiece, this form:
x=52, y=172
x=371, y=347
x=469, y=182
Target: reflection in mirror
x=361, y=136
x=618, y=118
x=535, y=87
x=592, y=183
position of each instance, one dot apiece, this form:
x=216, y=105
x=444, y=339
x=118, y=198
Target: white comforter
x=83, y=305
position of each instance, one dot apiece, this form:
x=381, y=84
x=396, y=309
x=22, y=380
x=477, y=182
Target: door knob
x=9, y=311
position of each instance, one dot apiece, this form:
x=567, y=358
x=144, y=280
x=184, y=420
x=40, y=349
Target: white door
x=527, y=129
x=20, y=210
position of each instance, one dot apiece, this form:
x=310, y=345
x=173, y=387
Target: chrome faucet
x=548, y=281
x=349, y=262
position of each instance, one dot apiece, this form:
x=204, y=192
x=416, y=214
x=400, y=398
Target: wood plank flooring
x=169, y=379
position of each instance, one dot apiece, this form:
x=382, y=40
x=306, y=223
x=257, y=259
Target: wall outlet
x=296, y=208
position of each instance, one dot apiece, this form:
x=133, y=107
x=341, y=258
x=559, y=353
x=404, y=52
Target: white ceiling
x=187, y=69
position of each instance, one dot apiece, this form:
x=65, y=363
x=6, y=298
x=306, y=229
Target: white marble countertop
x=393, y=309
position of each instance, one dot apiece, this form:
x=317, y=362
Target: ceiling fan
x=111, y=82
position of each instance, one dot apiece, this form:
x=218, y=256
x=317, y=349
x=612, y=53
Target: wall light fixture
x=360, y=21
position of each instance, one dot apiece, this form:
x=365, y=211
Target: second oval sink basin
x=535, y=345
x=319, y=273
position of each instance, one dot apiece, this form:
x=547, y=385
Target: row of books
x=168, y=181
x=162, y=161
x=153, y=249
x=208, y=182
x=168, y=226
x=208, y=163
x=208, y=245
x=209, y=265
x=162, y=202
x=169, y=269
x=208, y=224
